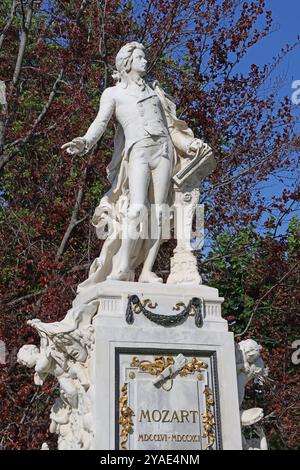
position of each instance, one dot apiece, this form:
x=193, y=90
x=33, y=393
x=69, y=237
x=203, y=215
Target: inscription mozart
x=168, y=416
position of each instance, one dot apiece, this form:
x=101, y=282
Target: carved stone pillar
x=187, y=189
x=183, y=269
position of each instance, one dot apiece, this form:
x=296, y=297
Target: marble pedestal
x=195, y=408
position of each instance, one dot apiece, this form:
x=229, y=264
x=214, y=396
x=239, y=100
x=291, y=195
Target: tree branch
x=9, y=156
x=3, y=113
x=84, y=3
x=35, y=134
x=233, y=179
x=49, y=102
x=9, y=22
x=143, y=35
x=74, y=218
x=263, y=297
x=75, y=269
x=25, y=297
x=23, y=41
x=22, y=46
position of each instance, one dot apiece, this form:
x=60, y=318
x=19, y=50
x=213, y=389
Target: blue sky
x=286, y=15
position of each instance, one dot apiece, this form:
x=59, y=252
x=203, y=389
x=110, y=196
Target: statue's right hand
x=76, y=146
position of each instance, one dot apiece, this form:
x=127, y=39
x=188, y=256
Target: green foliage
x=96, y=191
x=293, y=235
x=229, y=264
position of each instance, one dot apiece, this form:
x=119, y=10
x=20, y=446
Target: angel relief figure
x=150, y=146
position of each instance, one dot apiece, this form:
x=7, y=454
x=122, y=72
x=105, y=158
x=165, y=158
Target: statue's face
x=76, y=351
x=28, y=355
x=252, y=355
x=139, y=62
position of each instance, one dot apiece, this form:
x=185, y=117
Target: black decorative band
x=194, y=307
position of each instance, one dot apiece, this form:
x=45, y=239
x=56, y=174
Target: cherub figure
x=45, y=364
x=249, y=365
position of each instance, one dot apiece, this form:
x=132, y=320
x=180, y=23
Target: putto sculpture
x=250, y=366
x=65, y=353
x=151, y=147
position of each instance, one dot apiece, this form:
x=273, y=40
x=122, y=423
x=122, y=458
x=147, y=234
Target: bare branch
x=23, y=42
x=36, y=394
x=102, y=41
x=81, y=267
x=9, y=22
x=25, y=297
x=84, y=3
x=6, y=158
x=143, y=35
x=3, y=113
x=263, y=297
x=49, y=102
x=74, y=218
x=233, y=179
x=35, y=134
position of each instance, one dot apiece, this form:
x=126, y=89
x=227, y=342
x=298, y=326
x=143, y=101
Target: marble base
x=193, y=411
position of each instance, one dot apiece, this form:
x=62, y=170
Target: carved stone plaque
x=166, y=404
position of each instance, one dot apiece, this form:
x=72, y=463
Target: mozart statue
x=151, y=145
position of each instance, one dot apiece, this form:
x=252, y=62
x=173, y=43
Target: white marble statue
x=249, y=365
x=251, y=420
x=64, y=352
x=156, y=161
x=151, y=146
x=44, y=364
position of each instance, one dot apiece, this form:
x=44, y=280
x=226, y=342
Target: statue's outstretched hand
x=76, y=146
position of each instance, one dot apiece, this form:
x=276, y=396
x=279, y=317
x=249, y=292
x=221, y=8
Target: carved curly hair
x=124, y=59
